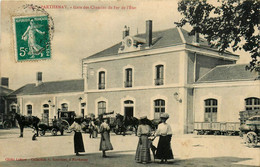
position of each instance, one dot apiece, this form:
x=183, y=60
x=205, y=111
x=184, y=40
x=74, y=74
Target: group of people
x=105, y=143
x=163, y=150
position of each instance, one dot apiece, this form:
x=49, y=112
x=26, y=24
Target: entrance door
x=129, y=111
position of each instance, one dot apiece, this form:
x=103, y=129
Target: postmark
x=32, y=38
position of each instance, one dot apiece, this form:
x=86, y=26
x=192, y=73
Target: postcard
x=120, y=83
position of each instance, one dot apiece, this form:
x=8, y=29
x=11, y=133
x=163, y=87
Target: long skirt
x=164, y=150
x=105, y=143
x=78, y=143
x=143, y=150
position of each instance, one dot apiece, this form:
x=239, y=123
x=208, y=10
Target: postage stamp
x=32, y=40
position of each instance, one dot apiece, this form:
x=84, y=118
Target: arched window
x=128, y=102
x=101, y=107
x=252, y=103
x=29, y=109
x=159, y=73
x=101, y=80
x=64, y=107
x=211, y=109
x=159, y=108
x=128, y=77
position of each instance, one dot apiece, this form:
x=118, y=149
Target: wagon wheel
x=65, y=125
x=54, y=132
x=7, y=125
x=42, y=132
x=251, y=139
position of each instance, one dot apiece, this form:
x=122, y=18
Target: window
x=101, y=80
x=101, y=107
x=128, y=102
x=46, y=108
x=159, y=108
x=45, y=115
x=82, y=105
x=29, y=109
x=159, y=70
x=211, y=109
x=128, y=77
x=64, y=107
x=252, y=103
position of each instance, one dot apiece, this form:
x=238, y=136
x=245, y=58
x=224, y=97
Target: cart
x=6, y=121
x=54, y=127
x=251, y=130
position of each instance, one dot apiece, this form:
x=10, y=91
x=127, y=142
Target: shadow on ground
x=120, y=158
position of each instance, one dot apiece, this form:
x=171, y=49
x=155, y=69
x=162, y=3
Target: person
x=105, y=143
x=143, y=147
x=29, y=34
x=93, y=133
x=78, y=141
x=164, y=151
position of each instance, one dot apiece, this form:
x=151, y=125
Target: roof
x=228, y=73
x=65, y=86
x=164, y=38
x=4, y=91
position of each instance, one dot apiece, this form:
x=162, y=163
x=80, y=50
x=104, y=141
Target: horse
x=29, y=121
x=122, y=122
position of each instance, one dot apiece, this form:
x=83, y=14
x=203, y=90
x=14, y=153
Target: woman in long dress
x=29, y=34
x=78, y=141
x=164, y=150
x=143, y=148
x=105, y=143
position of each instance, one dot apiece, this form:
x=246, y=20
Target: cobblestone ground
x=54, y=151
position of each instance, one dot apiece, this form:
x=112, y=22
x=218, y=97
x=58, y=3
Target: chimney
x=5, y=82
x=38, y=78
x=126, y=31
x=149, y=34
x=196, y=39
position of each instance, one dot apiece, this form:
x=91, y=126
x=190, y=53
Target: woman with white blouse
x=164, y=130
x=78, y=141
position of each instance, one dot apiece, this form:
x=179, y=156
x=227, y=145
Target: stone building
x=165, y=71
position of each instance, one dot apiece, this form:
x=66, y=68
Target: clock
x=129, y=42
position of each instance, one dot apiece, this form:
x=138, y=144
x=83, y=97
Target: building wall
x=37, y=101
x=203, y=65
x=231, y=100
x=143, y=103
x=143, y=70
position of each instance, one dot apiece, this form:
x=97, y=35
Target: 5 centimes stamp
x=32, y=38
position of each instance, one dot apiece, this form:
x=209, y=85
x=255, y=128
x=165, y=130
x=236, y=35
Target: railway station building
x=168, y=71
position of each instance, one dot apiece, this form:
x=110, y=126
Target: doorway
x=129, y=111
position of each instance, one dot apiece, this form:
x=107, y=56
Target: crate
x=206, y=126
x=197, y=125
x=215, y=126
x=223, y=127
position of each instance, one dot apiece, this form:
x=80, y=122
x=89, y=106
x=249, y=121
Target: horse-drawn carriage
x=6, y=120
x=65, y=119
x=250, y=126
x=55, y=127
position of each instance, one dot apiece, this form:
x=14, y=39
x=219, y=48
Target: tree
x=232, y=24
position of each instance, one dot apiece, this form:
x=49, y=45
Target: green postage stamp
x=32, y=41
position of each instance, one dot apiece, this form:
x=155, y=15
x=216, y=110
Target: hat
x=164, y=115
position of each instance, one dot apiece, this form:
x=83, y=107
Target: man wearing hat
x=78, y=141
x=164, y=130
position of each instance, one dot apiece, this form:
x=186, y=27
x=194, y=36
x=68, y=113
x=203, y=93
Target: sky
x=80, y=33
